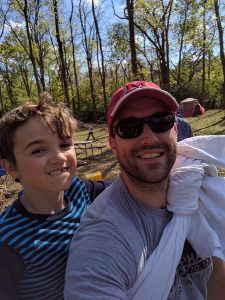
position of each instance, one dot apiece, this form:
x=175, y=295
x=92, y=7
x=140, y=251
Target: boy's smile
x=58, y=172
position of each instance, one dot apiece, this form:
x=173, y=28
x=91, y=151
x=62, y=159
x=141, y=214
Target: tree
x=183, y=9
x=61, y=53
x=222, y=55
x=24, y=9
x=118, y=43
x=130, y=17
x=80, y=58
x=3, y=17
x=102, y=68
x=88, y=41
x=153, y=20
x=74, y=64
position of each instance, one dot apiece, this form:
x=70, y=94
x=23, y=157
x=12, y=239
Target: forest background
x=81, y=51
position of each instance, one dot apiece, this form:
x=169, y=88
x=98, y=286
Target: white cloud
x=139, y=39
x=14, y=25
x=96, y=2
x=17, y=24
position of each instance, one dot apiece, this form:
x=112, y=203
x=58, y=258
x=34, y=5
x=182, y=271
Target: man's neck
x=152, y=194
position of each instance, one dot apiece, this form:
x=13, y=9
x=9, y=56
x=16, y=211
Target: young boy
x=36, y=148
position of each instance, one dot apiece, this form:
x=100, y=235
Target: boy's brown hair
x=57, y=118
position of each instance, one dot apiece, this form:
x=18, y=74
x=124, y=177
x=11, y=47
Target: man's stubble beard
x=143, y=179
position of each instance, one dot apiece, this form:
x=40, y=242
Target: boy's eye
x=37, y=151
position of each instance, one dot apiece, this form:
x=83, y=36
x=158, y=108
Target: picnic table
x=88, y=148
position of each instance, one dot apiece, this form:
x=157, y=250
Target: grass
x=212, y=122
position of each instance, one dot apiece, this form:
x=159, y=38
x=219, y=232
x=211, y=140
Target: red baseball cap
x=136, y=89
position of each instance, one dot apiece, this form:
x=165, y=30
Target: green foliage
x=118, y=41
x=17, y=81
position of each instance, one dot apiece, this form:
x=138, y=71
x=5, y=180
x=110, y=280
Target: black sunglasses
x=132, y=127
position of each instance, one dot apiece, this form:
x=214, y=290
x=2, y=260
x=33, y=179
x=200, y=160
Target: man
x=123, y=227
x=90, y=132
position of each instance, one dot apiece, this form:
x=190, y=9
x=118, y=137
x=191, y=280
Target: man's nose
x=148, y=135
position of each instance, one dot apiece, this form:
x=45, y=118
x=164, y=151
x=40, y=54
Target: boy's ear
x=10, y=168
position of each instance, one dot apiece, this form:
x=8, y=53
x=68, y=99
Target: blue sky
x=106, y=6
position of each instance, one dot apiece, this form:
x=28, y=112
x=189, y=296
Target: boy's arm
x=11, y=272
x=94, y=188
x=216, y=284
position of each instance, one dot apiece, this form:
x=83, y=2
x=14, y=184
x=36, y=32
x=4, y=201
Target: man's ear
x=112, y=144
x=10, y=168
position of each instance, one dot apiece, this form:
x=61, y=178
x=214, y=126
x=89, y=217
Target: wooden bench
x=93, y=148
x=99, y=148
x=84, y=147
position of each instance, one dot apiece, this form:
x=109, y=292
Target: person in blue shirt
x=184, y=129
x=37, y=149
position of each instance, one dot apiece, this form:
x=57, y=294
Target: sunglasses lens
x=132, y=127
x=161, y=122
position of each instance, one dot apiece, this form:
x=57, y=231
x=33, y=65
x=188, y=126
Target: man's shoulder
x=106, y=201
x=116, y=208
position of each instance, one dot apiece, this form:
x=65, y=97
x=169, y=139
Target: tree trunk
x=61, y=54
x=203, y=53
x=160, y=41
x=75, y=68
x=88, y=51
x=9, y=84
x=222, y=55
x=2, y=108
x=130, y=12
x=31, y=53
x=183, y=26
x=102, y=69
x=24, y=76
x=39, y=43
